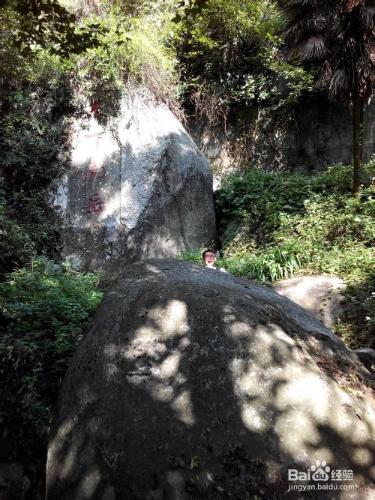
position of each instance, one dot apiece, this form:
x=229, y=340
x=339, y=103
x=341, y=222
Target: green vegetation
x=276, y=224
x=129, y=50
x=335, y=36
x=220, y=59
x=230, y=58
x=44, y=309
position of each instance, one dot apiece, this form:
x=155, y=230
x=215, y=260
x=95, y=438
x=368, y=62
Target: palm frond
x=369, y=18
x=371, y=52
x=313, y=48
x=325, y=75
x=338, y=83
x=339, y=35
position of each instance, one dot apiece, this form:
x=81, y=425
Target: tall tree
x=339, y=37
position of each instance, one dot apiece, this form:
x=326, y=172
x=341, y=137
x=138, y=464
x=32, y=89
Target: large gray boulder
x=321, y=295
x=137, y=186
x=194, y=384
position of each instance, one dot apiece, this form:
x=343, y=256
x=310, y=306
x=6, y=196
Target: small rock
x=321, y=295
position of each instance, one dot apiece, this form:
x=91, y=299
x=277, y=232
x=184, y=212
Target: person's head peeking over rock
x=209, y=258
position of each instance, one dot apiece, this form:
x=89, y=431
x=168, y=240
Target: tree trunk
x=357, y=116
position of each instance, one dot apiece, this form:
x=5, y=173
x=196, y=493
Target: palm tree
x=339, y=37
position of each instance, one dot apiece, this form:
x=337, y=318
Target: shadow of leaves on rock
x=191, y=384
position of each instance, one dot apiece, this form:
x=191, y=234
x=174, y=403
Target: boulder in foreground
x=194, y=384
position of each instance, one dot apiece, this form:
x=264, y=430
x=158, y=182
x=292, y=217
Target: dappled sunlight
x=183, y=407
x=169, y=367
x=64, y=435
x=152, y=269
x=305, y=388
x=172, y=320
x=283, y=390
x=65, y=429
x=155, y=368
x=111, y=212
x=362, y=456
x=238, y=328
x=70, y=460
x=254, y=418
x=197, y=379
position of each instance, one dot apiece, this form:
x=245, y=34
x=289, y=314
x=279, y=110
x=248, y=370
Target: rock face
x=307, y=137
x=194, y=384
x=321, y=295
x=137, y=187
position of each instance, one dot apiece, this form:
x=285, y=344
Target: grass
x=274, y=226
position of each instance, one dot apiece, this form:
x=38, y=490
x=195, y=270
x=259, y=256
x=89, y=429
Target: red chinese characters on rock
x=95, y=204
x=96, y=109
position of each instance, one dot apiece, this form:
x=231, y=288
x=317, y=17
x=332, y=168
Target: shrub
x=228, y=50
x=257, y=199
x=44, y=309
x=129, y=49
x=16, y=248
x=267, y=266
x=275, y=224
x=192, y=256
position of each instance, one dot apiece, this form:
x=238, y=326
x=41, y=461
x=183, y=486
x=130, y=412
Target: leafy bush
x=16, y=247
x=275, y=224
x=27, y=228
x=339, y=244
x=261, y=201
x=33, y=153
x=33, y=141
x=229, y=56
x=267, y=266
x=129, y=49
x=258, y=198
x=270, y=265
x=192, y=256
x=44, y=309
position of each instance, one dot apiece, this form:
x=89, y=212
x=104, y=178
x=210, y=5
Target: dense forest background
x=210, y=62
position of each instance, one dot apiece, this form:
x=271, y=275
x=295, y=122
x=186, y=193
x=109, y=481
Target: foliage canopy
x=339, y=37
x=229, y=51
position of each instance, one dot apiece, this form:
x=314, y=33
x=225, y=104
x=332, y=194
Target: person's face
x=209, y=258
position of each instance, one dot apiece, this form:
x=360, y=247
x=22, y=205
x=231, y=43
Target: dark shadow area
x=194, y=384
x=360, y=313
